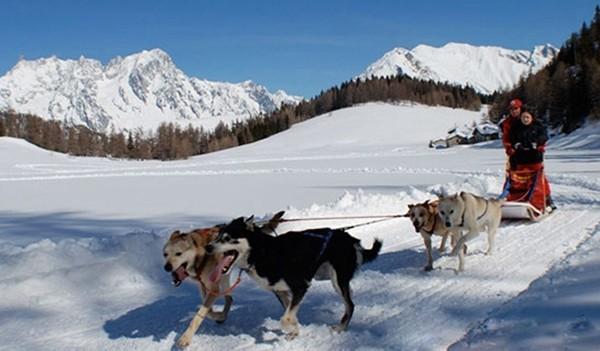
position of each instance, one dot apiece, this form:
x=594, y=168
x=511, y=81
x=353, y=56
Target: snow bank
x=584, y=138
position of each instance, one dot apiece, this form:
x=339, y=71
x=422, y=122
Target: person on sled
x=527, y=139
x=514, y=114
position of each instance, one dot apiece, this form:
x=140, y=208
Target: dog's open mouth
x=179, y=275
x=224, y=266
x=417, y=226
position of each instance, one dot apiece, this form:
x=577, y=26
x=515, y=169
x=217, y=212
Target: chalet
x=439, y=143
x=467, y=135
x=485, y=131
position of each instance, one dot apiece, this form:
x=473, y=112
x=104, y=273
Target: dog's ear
x=174, y=235
x=276, y=217
x=249, y=222
x=426, y=202
x=269, y=227
x=238, y=222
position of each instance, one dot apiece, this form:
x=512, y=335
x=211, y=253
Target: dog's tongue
x=180, y=273
x=216, y=274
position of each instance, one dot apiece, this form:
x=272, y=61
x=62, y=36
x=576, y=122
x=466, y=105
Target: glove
x=541, y=148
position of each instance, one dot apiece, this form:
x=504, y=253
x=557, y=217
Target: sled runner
x=525, y=190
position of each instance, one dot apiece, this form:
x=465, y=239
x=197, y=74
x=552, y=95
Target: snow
x=485, y=68
x=81, y=241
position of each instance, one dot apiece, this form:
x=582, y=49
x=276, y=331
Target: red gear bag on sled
x=526, y=190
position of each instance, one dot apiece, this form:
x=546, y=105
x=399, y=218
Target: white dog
x=471, y=214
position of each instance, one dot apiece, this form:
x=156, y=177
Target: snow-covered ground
x=81, y=241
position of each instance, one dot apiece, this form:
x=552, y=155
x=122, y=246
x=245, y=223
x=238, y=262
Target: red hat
x=516, y=103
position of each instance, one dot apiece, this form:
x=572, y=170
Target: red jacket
x=507, y=123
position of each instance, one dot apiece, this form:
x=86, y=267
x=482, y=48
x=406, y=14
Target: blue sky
x=299, y=46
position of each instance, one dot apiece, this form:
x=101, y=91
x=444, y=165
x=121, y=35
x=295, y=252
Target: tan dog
x=424, y=217
x=185, y=256
x=472, y=214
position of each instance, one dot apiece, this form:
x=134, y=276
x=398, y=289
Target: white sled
x=522, y=210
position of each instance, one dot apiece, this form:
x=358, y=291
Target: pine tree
x=130, y=145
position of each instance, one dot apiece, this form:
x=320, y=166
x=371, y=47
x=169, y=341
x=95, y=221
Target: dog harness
x=199, y=266
x=462, y=221
x=430, y=232
x=225, y=292
x=325, y=237
x=485, y=211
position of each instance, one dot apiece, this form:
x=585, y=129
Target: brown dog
x=185, y=256
x=424, y=217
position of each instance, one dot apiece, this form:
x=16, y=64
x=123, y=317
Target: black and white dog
x=286, y=264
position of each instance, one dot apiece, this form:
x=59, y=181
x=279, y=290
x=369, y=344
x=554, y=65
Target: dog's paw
x=218, y=317
x=428, y=268
x=291, y=335
x=184, y=341
x=338, y=328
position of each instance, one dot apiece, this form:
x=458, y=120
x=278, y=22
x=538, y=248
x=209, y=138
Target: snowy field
x=81, y=242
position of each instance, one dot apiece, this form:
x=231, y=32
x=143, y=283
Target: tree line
x=566, y=91
x=171, y=141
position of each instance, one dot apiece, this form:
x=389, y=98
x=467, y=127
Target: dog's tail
x=370, y=254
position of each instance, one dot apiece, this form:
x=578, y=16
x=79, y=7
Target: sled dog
x=472, y=214
x=185, y=256
x=286, y=264
x=425, y=218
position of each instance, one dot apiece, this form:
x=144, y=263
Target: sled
x=522, y=210
x=525, y=191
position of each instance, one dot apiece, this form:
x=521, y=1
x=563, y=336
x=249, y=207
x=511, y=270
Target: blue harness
x=325, y=237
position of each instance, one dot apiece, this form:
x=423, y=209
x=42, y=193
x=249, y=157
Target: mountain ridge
x=485, y=68
x=140, y=90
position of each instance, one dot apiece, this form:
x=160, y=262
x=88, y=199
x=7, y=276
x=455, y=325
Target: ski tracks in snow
x=400, y=307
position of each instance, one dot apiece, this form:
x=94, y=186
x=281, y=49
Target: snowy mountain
x=140, y=90
x=485, y=68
